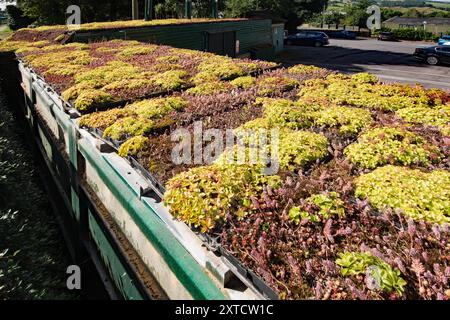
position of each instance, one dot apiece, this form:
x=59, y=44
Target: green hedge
x=411, y=34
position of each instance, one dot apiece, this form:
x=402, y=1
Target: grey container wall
x=278, y=37
x=249, y=33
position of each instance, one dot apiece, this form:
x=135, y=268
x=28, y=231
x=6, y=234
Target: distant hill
x=398, y=3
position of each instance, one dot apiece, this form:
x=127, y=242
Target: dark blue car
x=307, y=38
x=343, y=34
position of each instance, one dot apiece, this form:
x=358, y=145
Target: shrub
x=364, y=263
x=413, y=34
x=391, y=145
x=416, y=194
x=16, y=18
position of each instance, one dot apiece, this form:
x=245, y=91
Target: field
x=349, y=197
x=4, y=32
x=442, y=5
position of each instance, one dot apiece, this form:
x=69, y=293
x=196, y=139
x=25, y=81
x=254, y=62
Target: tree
x=16, y=18
x=48, y=12
x=294, y=11
x=357, y=13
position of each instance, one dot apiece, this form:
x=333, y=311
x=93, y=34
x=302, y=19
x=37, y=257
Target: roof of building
x=419, y=21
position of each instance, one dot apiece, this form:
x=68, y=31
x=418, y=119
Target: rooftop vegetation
x=359, y=207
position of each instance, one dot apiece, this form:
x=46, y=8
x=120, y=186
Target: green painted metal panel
x=188, y=271
x=117, y=270
x=250, y=33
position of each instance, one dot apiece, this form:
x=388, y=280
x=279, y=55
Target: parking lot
x=391, y=61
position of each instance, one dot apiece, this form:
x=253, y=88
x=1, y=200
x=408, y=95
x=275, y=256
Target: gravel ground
x=33, y=256
x=391, y=61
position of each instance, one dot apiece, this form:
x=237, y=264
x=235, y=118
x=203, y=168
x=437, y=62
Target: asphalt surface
x=390, y=61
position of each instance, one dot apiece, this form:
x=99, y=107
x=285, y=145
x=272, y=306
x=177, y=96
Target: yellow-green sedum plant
x=419, y=195
x=385, y=277
x=389, y=145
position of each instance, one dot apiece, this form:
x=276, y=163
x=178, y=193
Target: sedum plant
x=103, y=119
x=157, y=108
x=348, y=120
x=324, y=206
x=359, y=91
x=418, y=195
x=384, y=145
x=438, y=116
x=299, y=148
x=221, y=67
x=111, y=72
x=132, y=146
x=171, y=80
x=364, y=77
x=136, y=50
x=87, y=98
x=208, y=88
x=128, y=127
x=142, y=113
x=304, y=69
x=243, y=82
x=203, y=196
x=359, y=263
x=271, y=85
x=286, y=113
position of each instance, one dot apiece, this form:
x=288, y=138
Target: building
x=255, y=38
x=434, y=25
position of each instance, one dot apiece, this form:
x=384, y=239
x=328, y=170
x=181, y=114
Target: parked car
x=444, y=41
x=343, y=34
x=308, y=38
x=386, y=36
x=433, y=55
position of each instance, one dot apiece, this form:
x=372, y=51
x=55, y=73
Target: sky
x=4, y=3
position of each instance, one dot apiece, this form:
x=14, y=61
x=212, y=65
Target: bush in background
x=16, y=18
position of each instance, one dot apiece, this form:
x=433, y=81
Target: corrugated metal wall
x=249, y=33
